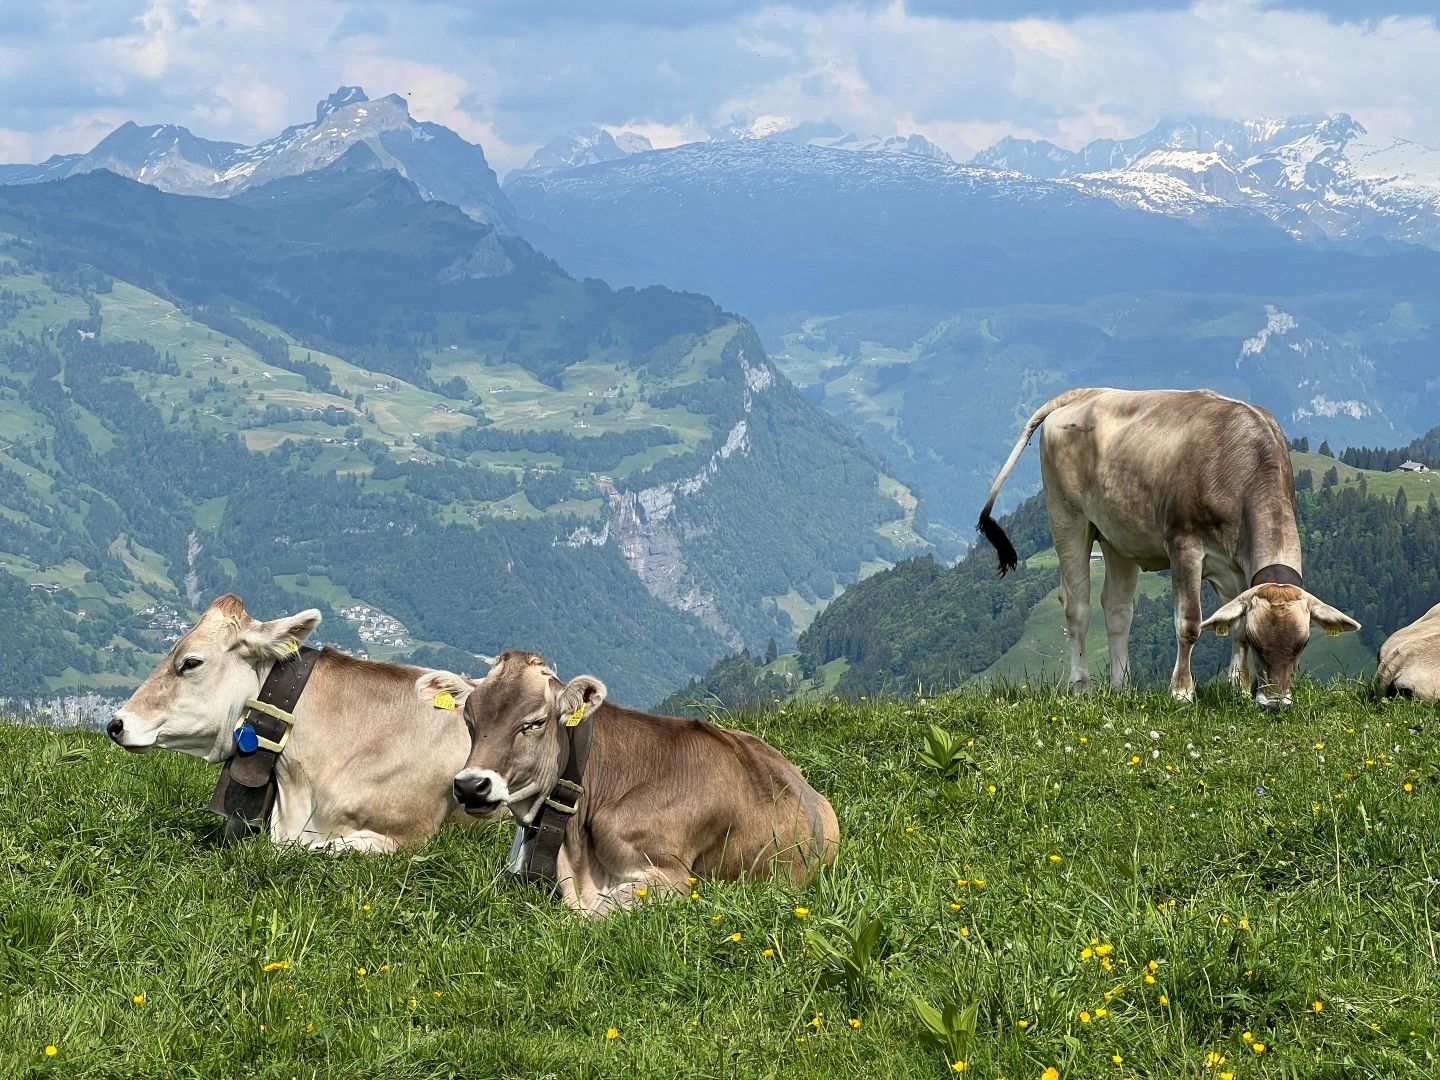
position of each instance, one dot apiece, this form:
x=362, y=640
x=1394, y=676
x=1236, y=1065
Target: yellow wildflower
x=1153, y=965
x=1117, y=1059
x=1258, y=1047
x=958, y=1066
x=1104, y=950
x=1244, y=924
x=768, y=952
x=365, y=908
x=854, y=1022
x=1022, y=1023
x=277, y=965
x=735, y=936
x=1214, y=1059
x=1051, y=1073
x=361, y=972
x=979, y=883
x=612, y=1033
x=691, y=880
x=1086, y=953
x=1149, y=979
x=51, y=1051
x=138, y=999
x=1100, y=1014
x=694, y=896
x=802, y=912
x=1164, y=1000
x=1409, y=787
x=964, y=931
x=1247, y=1038
x=1318, y=1006
x=954, y=906
x=817, y=1020
x=1084, y=1016
x=1057, y=859
x=641, y=893
x=992, y=789
x=1227, y=1075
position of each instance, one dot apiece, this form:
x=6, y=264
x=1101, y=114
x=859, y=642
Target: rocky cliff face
x=647, y=524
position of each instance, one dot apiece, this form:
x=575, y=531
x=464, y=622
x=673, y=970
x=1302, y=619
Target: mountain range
x=439, y=163
x=1319, y=177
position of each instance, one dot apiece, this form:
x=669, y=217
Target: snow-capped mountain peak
x=584, y=144
x=1317, y=176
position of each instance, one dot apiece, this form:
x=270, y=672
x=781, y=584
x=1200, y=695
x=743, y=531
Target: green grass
x=1278, y=863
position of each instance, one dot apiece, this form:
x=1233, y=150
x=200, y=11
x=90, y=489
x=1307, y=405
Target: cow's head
x=191, y=701
x=1274, y=622
x=515, y=714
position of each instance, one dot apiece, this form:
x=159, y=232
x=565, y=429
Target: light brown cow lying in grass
x=1410, y=660
x=665, y=798
x=370, y=760
x=1184, y=479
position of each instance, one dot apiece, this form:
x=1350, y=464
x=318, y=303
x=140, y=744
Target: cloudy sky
x=512, y=73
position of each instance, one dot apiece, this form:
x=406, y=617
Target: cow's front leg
x=1072, y=545
x=649, y=883
x=1186, y=563
x=362, y=841
x=1117, y=599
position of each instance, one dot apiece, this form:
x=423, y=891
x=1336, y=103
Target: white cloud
x=241, y=69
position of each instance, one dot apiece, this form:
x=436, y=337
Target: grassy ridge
x=1263, y=865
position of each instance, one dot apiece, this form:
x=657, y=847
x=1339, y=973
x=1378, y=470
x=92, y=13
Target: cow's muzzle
x=116, y=730
x=479, y=793
x=1273, y=703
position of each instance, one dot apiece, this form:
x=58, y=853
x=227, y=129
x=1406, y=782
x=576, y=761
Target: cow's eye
x=190, y=663
x=532, y=725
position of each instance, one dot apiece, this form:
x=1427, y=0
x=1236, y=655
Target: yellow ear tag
x=1221, y=630
x=1332, y=631
x=445, y=700
x=577, y=717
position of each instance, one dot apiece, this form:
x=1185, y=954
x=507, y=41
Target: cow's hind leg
x=1117, y=599
x=1186, y=565
x=1074, y=537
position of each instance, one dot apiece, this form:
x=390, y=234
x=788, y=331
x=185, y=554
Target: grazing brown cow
x=664, y=798
x=1410, y=660
x=1184, y=479
x=369, y=762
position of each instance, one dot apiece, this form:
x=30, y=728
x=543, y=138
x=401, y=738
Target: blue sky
x=512, y=73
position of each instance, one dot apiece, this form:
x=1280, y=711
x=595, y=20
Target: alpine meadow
x=835, y=538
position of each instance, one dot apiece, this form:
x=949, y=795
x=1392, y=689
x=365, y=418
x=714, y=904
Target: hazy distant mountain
x=440, y=164
x=829, y=134
x=1320, y=177
x=584, y=144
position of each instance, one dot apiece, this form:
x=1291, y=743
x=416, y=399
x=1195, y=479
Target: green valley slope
x=346, y=396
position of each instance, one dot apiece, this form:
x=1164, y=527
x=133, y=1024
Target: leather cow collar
x=246, y=789
x=1277, y=574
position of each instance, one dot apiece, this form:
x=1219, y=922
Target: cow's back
x=722, y=802
x=1144, y=465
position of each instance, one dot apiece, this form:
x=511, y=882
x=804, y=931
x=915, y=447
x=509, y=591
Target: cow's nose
x=472, y=789
x=115, y=727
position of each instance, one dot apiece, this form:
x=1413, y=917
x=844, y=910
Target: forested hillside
x=345, y=396
x=922, y=624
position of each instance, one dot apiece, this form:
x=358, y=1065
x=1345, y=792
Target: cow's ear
x=1332, y=620
x=581, y=697
x=278, y=638
x=443, y=689
x=1224, y=620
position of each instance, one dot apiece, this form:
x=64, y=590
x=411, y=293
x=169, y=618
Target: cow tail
x=988, y=526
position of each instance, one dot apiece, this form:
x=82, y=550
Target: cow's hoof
x=1183, y=694
x=1078, y=688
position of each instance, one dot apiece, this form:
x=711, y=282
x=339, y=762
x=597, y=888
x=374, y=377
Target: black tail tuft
x=1009, y=558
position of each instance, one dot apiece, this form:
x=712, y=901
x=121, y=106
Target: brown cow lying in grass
x=665, y=798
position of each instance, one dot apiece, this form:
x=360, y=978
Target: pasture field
x=1121, y=886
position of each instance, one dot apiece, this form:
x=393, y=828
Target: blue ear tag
x=246, y=739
